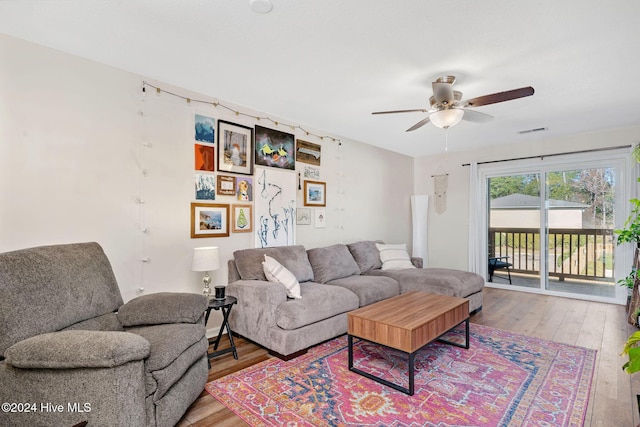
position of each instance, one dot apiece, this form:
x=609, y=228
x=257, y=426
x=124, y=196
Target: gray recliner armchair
x=71, y=351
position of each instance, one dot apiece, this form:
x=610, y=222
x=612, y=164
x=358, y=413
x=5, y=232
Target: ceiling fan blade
x=419, y=124
x=442, y=92
x=476, y=116
x=421, y=110
x=499, y=97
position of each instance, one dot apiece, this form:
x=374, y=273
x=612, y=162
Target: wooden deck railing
x=573, y=253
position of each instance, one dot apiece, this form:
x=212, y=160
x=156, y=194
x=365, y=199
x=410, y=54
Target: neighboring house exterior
x=523, y=211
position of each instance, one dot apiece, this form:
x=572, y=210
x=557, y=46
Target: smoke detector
x=261, y=6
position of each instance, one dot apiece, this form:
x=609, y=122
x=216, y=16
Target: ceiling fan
x=448, y=108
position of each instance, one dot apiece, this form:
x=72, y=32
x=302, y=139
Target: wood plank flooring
x=593, y=325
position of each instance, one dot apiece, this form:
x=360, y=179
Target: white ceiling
x=327, y=64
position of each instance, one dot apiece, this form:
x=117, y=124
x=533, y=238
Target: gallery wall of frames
x=246, y=181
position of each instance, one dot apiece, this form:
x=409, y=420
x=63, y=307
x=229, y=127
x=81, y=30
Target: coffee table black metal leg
x=466, y=335
x=350, y=340
x=398, y=387
x=412, y=357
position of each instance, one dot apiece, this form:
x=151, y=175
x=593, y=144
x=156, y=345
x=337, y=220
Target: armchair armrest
x=77, y=349
x=163, y=307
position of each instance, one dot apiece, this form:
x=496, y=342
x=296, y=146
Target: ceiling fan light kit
x=448, y=108
x=444, y=119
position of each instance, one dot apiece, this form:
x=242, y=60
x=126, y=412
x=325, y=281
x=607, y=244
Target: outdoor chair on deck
x=498, y=263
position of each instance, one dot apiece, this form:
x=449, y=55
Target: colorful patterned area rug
x=504, y=379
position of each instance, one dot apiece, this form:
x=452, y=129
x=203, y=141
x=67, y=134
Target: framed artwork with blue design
x=204, y=128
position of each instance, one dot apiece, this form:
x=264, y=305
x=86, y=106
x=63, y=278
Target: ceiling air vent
x=522, y=132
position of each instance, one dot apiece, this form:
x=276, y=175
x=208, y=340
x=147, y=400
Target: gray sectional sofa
x=333, y=281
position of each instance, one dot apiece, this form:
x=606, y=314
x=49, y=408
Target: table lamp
x=206, y=259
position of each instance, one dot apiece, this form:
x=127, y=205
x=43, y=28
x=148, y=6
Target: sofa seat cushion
x=318, y=302
x=332, y=262
x=369, y=289
x=366, y=255
x=293, y=258
x=442, y=281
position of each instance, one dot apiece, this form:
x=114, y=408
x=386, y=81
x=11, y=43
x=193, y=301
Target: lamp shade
x=446, y=118
x=205, y=259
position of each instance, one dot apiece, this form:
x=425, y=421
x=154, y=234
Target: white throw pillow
x=394, y=257
x=276, y=272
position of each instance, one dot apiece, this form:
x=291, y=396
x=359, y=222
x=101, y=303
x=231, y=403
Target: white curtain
x=475, y=219
x=419, y=210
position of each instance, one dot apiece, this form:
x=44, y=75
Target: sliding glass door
x=514, y=250
x=580, y=211
x=549, y=228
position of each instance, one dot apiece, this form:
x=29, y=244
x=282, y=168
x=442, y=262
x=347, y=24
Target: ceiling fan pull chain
x=446, y=143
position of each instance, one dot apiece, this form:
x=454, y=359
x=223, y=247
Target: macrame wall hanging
x=440, y=183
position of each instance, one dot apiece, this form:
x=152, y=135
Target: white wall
x=71, y=154
x=449, y=232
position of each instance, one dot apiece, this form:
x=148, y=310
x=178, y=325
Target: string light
x=218, y=104
x=341, y=193
x=139, y=200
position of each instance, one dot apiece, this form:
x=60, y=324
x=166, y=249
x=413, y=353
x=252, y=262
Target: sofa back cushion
x=293, y=258
x=366, y=255
x=332, y=262
x=48, y=288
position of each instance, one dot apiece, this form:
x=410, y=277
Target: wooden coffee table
x=407, y=323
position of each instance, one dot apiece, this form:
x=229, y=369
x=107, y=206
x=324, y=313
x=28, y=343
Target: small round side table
x=225, y=306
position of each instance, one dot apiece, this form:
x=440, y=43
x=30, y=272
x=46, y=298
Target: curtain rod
x=542, y=156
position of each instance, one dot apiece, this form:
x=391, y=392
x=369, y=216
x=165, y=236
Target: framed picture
x=321, y=218
x=275, y=148
x=303, y=216
x=308, y=152
x=209, y=220
x=226, y=185
x=244, y=188
x=242, y=218
x=311, y=173
x=204, y=158
x=235, y=148
x=204, y=128
x=314, y=193
x=205, y=187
